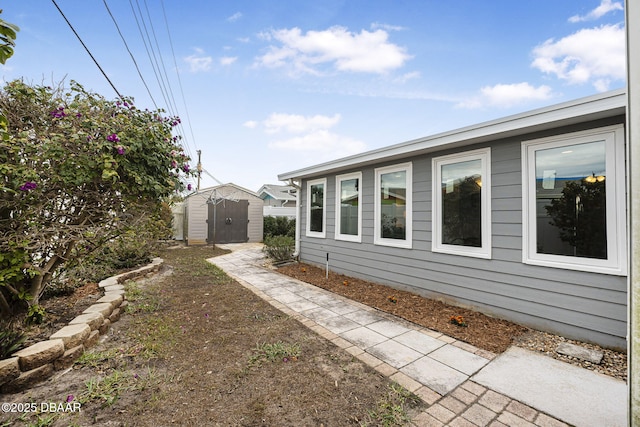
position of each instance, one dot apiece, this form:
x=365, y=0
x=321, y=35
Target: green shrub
x=279, y=248
x=35, y=315
x=279, y=226
x=11, y=340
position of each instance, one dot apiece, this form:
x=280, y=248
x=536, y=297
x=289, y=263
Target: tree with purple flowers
x=76, y=171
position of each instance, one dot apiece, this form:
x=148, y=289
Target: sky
x=265, y=87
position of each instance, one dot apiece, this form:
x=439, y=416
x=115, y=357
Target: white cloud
x=228, y=60
x=507, y=95
x=387, y=27
x=364, y=52
x=234, y=17
x=323, y=142
x=309, y=134
x=198, y=61
x=595, y=55
x=294, y=123
x=406, y=77
x=605, y=7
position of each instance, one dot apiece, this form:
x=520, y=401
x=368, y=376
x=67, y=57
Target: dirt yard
x=196, y=348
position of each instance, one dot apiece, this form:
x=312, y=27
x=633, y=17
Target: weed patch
x=392, y=409
x=273, y=352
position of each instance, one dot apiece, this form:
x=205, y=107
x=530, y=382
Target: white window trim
x=408, y=241
x=484, y=155
x=348, y=237
x=310, y=233
x=616, y=262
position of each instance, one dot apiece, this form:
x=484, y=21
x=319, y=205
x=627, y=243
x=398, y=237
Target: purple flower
x=189, y=187
x=174, y=164
x=113, y=138
x=70, y=398
x=28, y=186
x=58, y=113
x=186, y=168
x=206, y=315
x=78, y=115
x=135, y=376
x=120, y=149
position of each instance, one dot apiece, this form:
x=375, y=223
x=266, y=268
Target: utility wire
x=153, y=60
x=175, y=64
x=87, y=49
x=130, y=53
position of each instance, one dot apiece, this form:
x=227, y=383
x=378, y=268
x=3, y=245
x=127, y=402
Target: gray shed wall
x=576, y=304
x=197, y=210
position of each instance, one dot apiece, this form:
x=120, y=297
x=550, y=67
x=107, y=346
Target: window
x=348, y=207
x=462, y=204
x=574, y=206
x=393, y=206
x=316, y=204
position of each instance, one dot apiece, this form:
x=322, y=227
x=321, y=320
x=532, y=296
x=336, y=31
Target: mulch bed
x=485, y=332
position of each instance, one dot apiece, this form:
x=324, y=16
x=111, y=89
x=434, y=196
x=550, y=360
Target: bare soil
x=191, y=351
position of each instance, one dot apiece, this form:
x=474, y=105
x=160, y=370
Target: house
x=279, y=200
x=522, y=218
x=222, y=214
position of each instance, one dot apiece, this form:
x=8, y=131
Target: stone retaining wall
x=39, y=361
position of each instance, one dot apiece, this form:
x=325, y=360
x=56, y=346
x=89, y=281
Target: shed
x=523, y=218
x=225, y=213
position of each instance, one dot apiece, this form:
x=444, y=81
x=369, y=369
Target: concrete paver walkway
x=464, y=385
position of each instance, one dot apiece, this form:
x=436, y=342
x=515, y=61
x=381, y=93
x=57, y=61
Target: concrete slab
x=419, y=341
x=394, y=353
x=435, y=375
x=575, y=395
x=302, y=305
x=590, y=355
x=363, y=317
x=338, y=324
x=461, y=360
x=363, y=337
x=319, y=313
x=341, y=307
x=388, y=328
x=283, y=296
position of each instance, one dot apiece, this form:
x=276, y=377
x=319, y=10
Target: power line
x=87, y=49
x=175, y=64
x=130, y=53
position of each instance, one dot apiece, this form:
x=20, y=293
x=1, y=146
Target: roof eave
x=587, y=109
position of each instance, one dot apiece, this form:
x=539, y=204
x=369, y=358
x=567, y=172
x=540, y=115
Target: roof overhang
x=601, y=106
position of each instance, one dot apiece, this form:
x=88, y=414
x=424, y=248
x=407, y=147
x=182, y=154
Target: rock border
x=39, y=361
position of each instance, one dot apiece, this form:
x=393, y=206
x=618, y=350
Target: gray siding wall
x=580, y=305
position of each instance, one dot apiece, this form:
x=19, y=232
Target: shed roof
x=209, y=190
x=582, y=110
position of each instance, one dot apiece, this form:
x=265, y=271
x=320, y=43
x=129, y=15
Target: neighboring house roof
x=278, y=192
x=609, y=104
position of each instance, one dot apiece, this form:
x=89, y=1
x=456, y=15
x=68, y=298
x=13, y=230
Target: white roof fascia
x=594, y=107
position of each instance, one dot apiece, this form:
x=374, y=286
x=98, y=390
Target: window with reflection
x=393, y=205
x=461, y=187
x=574, y=214
x=571, y=202
x=348, y=206
x=316, y=208
x=462, y=215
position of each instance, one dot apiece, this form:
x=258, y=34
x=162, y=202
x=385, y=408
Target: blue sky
x=265, y=87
